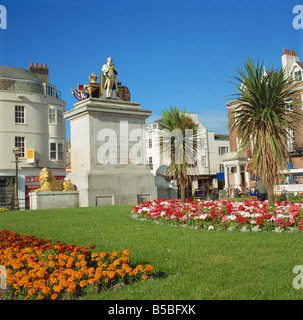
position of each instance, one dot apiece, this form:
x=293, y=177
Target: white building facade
x=31, y=117
x=211, y=149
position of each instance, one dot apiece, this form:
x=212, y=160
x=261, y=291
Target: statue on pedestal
x=108, y=88
x=109, y=79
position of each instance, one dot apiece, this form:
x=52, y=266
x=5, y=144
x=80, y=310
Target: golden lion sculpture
x=49, y=183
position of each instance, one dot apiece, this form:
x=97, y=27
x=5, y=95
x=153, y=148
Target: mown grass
x=196, y=264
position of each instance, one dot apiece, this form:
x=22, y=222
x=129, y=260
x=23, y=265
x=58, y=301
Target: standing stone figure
x=109, y=79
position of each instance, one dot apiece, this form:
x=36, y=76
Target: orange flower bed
x=37, y=269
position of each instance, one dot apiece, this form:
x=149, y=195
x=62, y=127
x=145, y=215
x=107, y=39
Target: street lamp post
x=17, y=152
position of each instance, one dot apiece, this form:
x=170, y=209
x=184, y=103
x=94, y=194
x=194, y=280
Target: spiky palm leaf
x=265, y=118
x=180, y=150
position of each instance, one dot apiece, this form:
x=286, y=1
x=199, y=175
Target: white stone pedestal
x=54, y=200
x=108, y=156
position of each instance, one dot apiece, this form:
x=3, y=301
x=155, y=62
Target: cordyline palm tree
x=180, y=150
x=263, y=119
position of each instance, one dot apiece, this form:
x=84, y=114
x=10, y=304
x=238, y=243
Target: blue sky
x=178, y=53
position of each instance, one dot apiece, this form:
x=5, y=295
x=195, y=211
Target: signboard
x=68, y=169
x=36, y=178
x=220, y=176
x=30, y=155
x=290, y=187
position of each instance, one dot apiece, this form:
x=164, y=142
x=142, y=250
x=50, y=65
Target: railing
x=51, y=90
x=9, y=204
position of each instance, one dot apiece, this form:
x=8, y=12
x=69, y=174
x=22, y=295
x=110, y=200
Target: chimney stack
x=41, y=72
x=288, y=59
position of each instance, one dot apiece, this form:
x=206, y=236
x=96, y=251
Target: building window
x=203, y=160
x=59, y=117
x=203, y=144
x=221, y=167
x=150, y=143
x=52, y=116
x=20, y=142
x=298, y=75
x=150, y=163
x=289, y=103
x=55, y=116
x=50, y=90
x=19, y=114
x=56, y=151
x=291, y=146
x=222, y=151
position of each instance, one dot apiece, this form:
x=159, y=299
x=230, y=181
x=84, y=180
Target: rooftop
x=14, y=73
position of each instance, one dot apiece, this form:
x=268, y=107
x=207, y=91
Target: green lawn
x=208, y=264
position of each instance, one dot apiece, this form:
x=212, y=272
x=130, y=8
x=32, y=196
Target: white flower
x=280, y=216
x=246, y=215
x=255, y=229
x=211, y=228
x=278, y=229
x=231, y=229
x=232, y=217
x=244, y=229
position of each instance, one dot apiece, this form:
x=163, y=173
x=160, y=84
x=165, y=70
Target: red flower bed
x=248, y=215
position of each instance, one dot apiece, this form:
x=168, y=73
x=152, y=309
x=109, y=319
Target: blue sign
x=220, y=176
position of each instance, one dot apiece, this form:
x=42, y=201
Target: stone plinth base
x=54, y=200
x=108, y=153
x=100, y=189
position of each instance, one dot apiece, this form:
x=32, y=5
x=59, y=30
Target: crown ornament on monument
x=93, y=78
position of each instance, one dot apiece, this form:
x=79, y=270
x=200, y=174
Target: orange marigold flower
x=111, y=274
x=54, y=296
x=46, y=290
x=92, y=246
x=72, y=287
x=57, y=288
x=103, y=254
x=40, y=297
x=83, y=283
x=144, y=277
x=126, y=252
x=95, y=254
x=151, y=268
x=111, y=267
x=31, y=292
